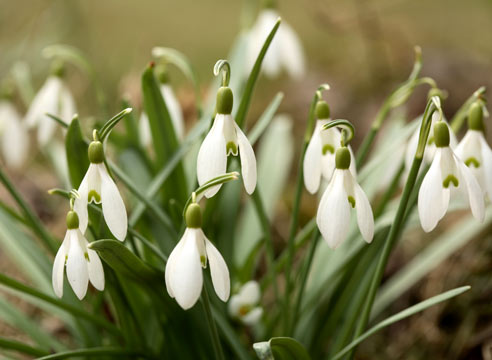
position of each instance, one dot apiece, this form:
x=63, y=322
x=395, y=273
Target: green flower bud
x=96, y=152
x=441, y=134
x=322, y=110
x=475, y=117
x=72, y=220
x=225, y=100
x=193, y=216
x=342, y=158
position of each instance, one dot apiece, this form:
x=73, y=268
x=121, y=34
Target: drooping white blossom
x=225, y=138
x=244, y=305
x=83, y=264
x=175, y=113
x=13, y=136
x=184, y=277
x=97, y=186
x=54, y=98
x=342, y=194
x=285, y=51
x=447, y=171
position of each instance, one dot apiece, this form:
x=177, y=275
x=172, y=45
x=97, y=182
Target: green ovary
x=328, y=148
x=450, y=179
x=351, y=200
x=472, y=161
x=93, y=195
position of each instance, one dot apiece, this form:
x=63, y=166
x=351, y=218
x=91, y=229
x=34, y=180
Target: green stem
x=15, y=285
x=371, y=135
x=8, y=344
x=98, y=351
x=29, y=214
x=219, y=354
x=265, y=224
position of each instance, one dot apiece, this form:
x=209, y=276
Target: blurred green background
x=362, y=48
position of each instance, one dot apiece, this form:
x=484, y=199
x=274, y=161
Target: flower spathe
x=184, y=277
x=225, y=138
x=285, y=51
x=319, y=160
x=446, y=171
x=13, y=136
x=343, y=193
x=53, y=98
x=83, y=264
x=97, y=186
x=244, y=304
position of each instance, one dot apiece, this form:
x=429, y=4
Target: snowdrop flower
x=184, y=278
x=446, y=171
x=13, y=136
x=83, y=264
x=55, y=98
x=98, y=187
x=225, y=138
x=343, y=193
x=430, y=149
x=173, y=107
x=285, y=51
x=244, y=304
x=319, y=160
x=474, y=151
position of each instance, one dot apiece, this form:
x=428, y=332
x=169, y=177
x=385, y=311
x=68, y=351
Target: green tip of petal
x=342, y=158
x=225, y=100
x=193, y=216
x=441, y=134
x=475, y=117
x=72, y=220
x=96, y=152
x=322, y=110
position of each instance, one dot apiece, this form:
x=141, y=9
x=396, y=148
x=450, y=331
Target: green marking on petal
x=328, y=148
x=450, y=179
x=472, y=161
x=93, y=195
x=245, y=309
x=351, y=200
x=231, y=148
x=86, y=255
x=66, y=258
x=203, y=260
x=431, y=140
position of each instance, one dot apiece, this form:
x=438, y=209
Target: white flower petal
x=253, y=316
x=212, y=158
x=292, y=54
x=248, y=160
x=173, y=257
x=219, y=271
x=67, y=105
x=312, y=162
x=365, y=218
x=14, y=140
x=250, y=293
x=333, y=217
x=352, y=167
x=59, y=266
x=95, y=267
x=473, y=190
x=487, y=166
x=186, y=278
x=144, y=131
x=80, y=204
x=433, y=199
x=234, y=305
x=174, y=110
x=77, y=272
x=45, y=101
x=113, y=207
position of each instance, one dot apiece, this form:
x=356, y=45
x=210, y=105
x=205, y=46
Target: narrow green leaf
x=281, y=348
x=163, y=136
x=265, y=118
x=76, y=148
x=21, y=347
x=111, y=123
x=99, y=351
x=123, y=261
x=402, y=315
x=253, y=76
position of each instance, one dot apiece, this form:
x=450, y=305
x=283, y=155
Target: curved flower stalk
x=474, y=151
x=83, y=264
x=225, y=138
x=54, y=98
x=446, y=171
x=285, y=51
x=184, y=277
x=343, y=193
x=97, y=186
x=319, y=160
x=244, y=305
x=13, y=136
x=175, y=112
